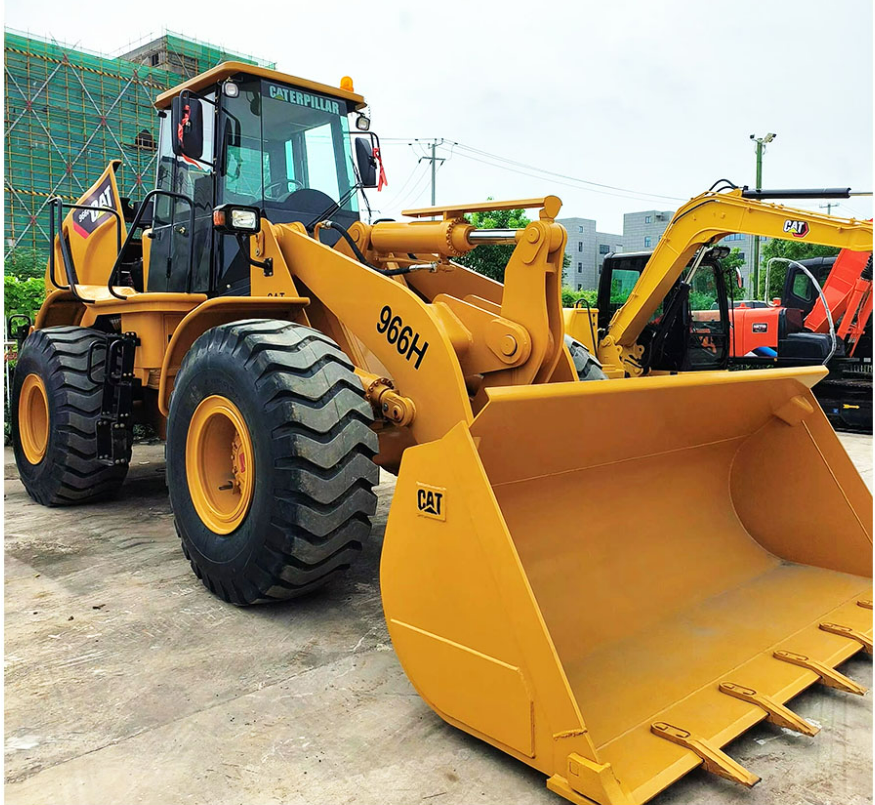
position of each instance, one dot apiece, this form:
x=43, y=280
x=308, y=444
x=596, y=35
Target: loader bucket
x=611, y=581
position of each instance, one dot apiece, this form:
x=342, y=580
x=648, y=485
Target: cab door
x=175, y=240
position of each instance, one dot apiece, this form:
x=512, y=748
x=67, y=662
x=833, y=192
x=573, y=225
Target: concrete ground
x=127, y=682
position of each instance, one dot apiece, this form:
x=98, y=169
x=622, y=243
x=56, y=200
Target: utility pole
x=761, y=143
x=434, y=159
x=828, y=206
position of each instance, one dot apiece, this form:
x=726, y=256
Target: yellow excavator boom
x=702, y=221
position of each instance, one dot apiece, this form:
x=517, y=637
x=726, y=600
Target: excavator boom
x=703, y=221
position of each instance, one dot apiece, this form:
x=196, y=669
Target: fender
x=221, y=310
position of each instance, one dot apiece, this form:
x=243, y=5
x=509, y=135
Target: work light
x=238, y=220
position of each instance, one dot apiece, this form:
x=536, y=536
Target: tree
x=23, y=283
x=733, y=260
x=25, y=264
x=491, y=260
x=792, y=250
x=732, y=276
x=570, y=297
x=23, y=295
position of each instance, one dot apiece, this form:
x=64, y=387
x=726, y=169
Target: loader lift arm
x=702, y=221
x=434, y=349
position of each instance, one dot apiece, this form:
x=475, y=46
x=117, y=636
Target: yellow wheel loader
x=595, y=577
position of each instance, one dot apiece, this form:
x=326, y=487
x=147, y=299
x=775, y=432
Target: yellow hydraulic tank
x=611, y=581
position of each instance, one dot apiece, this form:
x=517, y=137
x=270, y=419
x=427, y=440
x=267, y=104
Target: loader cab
x=690, y=330
x=248, y=138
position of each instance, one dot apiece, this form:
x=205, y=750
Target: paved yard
x=127, y=682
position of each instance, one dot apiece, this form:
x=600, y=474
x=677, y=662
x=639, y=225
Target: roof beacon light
x=346, y=83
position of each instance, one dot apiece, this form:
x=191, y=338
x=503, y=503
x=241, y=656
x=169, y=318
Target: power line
x=416, y=191
x=556, y=181
x=532, y=171
x=565, y=176
x=401, y=189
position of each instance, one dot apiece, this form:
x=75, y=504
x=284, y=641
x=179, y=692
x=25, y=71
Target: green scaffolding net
x=69, y=112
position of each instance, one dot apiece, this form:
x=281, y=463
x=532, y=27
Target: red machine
x=796, y=329
x=797, y=326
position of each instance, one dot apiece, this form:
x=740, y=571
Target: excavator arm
x=702, y=221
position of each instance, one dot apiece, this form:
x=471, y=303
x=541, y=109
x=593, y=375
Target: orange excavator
x=824, y=315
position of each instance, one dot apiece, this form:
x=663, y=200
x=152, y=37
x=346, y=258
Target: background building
x=642, y=230
x=586, y=249
x=69, y=112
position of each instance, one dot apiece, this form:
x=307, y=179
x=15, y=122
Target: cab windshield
x=287, y=151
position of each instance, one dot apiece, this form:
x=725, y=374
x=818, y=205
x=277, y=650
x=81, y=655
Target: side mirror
x=187, y=125
x=366, y=161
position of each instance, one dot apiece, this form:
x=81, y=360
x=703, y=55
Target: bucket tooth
x=828, y=676
x=847, y=631
x=776, y=713
x=714, y=760
x=866, y=603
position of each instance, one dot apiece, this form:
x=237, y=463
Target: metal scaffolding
x=69, y=112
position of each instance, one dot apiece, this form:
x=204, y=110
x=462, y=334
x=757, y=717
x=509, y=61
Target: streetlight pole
x=761, y=143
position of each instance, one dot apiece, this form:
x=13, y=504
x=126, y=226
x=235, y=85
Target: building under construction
x=69, y=112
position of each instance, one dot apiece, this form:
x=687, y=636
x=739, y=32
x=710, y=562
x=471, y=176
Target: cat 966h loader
x=596, y=577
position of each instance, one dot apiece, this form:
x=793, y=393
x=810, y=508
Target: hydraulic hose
x=386, y=272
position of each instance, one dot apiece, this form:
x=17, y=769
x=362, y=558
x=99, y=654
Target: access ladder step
x=117, y=403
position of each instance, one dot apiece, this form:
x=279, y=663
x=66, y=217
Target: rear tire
x=298, y=410
x=61, y=468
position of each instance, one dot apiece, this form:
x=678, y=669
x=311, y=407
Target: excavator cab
x=690, y=329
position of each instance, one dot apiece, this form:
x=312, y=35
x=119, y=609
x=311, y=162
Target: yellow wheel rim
x=220, y=464
x=33, y=418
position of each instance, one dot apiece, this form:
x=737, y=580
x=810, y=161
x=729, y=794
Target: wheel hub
x=219, y=464
x=33, y=418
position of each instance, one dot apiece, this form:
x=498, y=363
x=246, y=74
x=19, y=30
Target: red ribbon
x=381, y=182
x=183, y=123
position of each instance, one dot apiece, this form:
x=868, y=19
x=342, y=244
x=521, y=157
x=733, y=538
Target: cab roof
x=231, y=68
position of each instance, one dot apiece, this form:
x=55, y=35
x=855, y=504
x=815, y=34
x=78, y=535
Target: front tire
x=55, y=409
x=269, y=460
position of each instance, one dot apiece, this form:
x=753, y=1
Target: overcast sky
x=658, y=97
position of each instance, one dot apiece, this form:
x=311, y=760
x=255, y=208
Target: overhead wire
x=533, y=171
x=557, y=181
x=576, y=179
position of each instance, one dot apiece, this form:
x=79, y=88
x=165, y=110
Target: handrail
x=59, y=205
x=135, y=225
